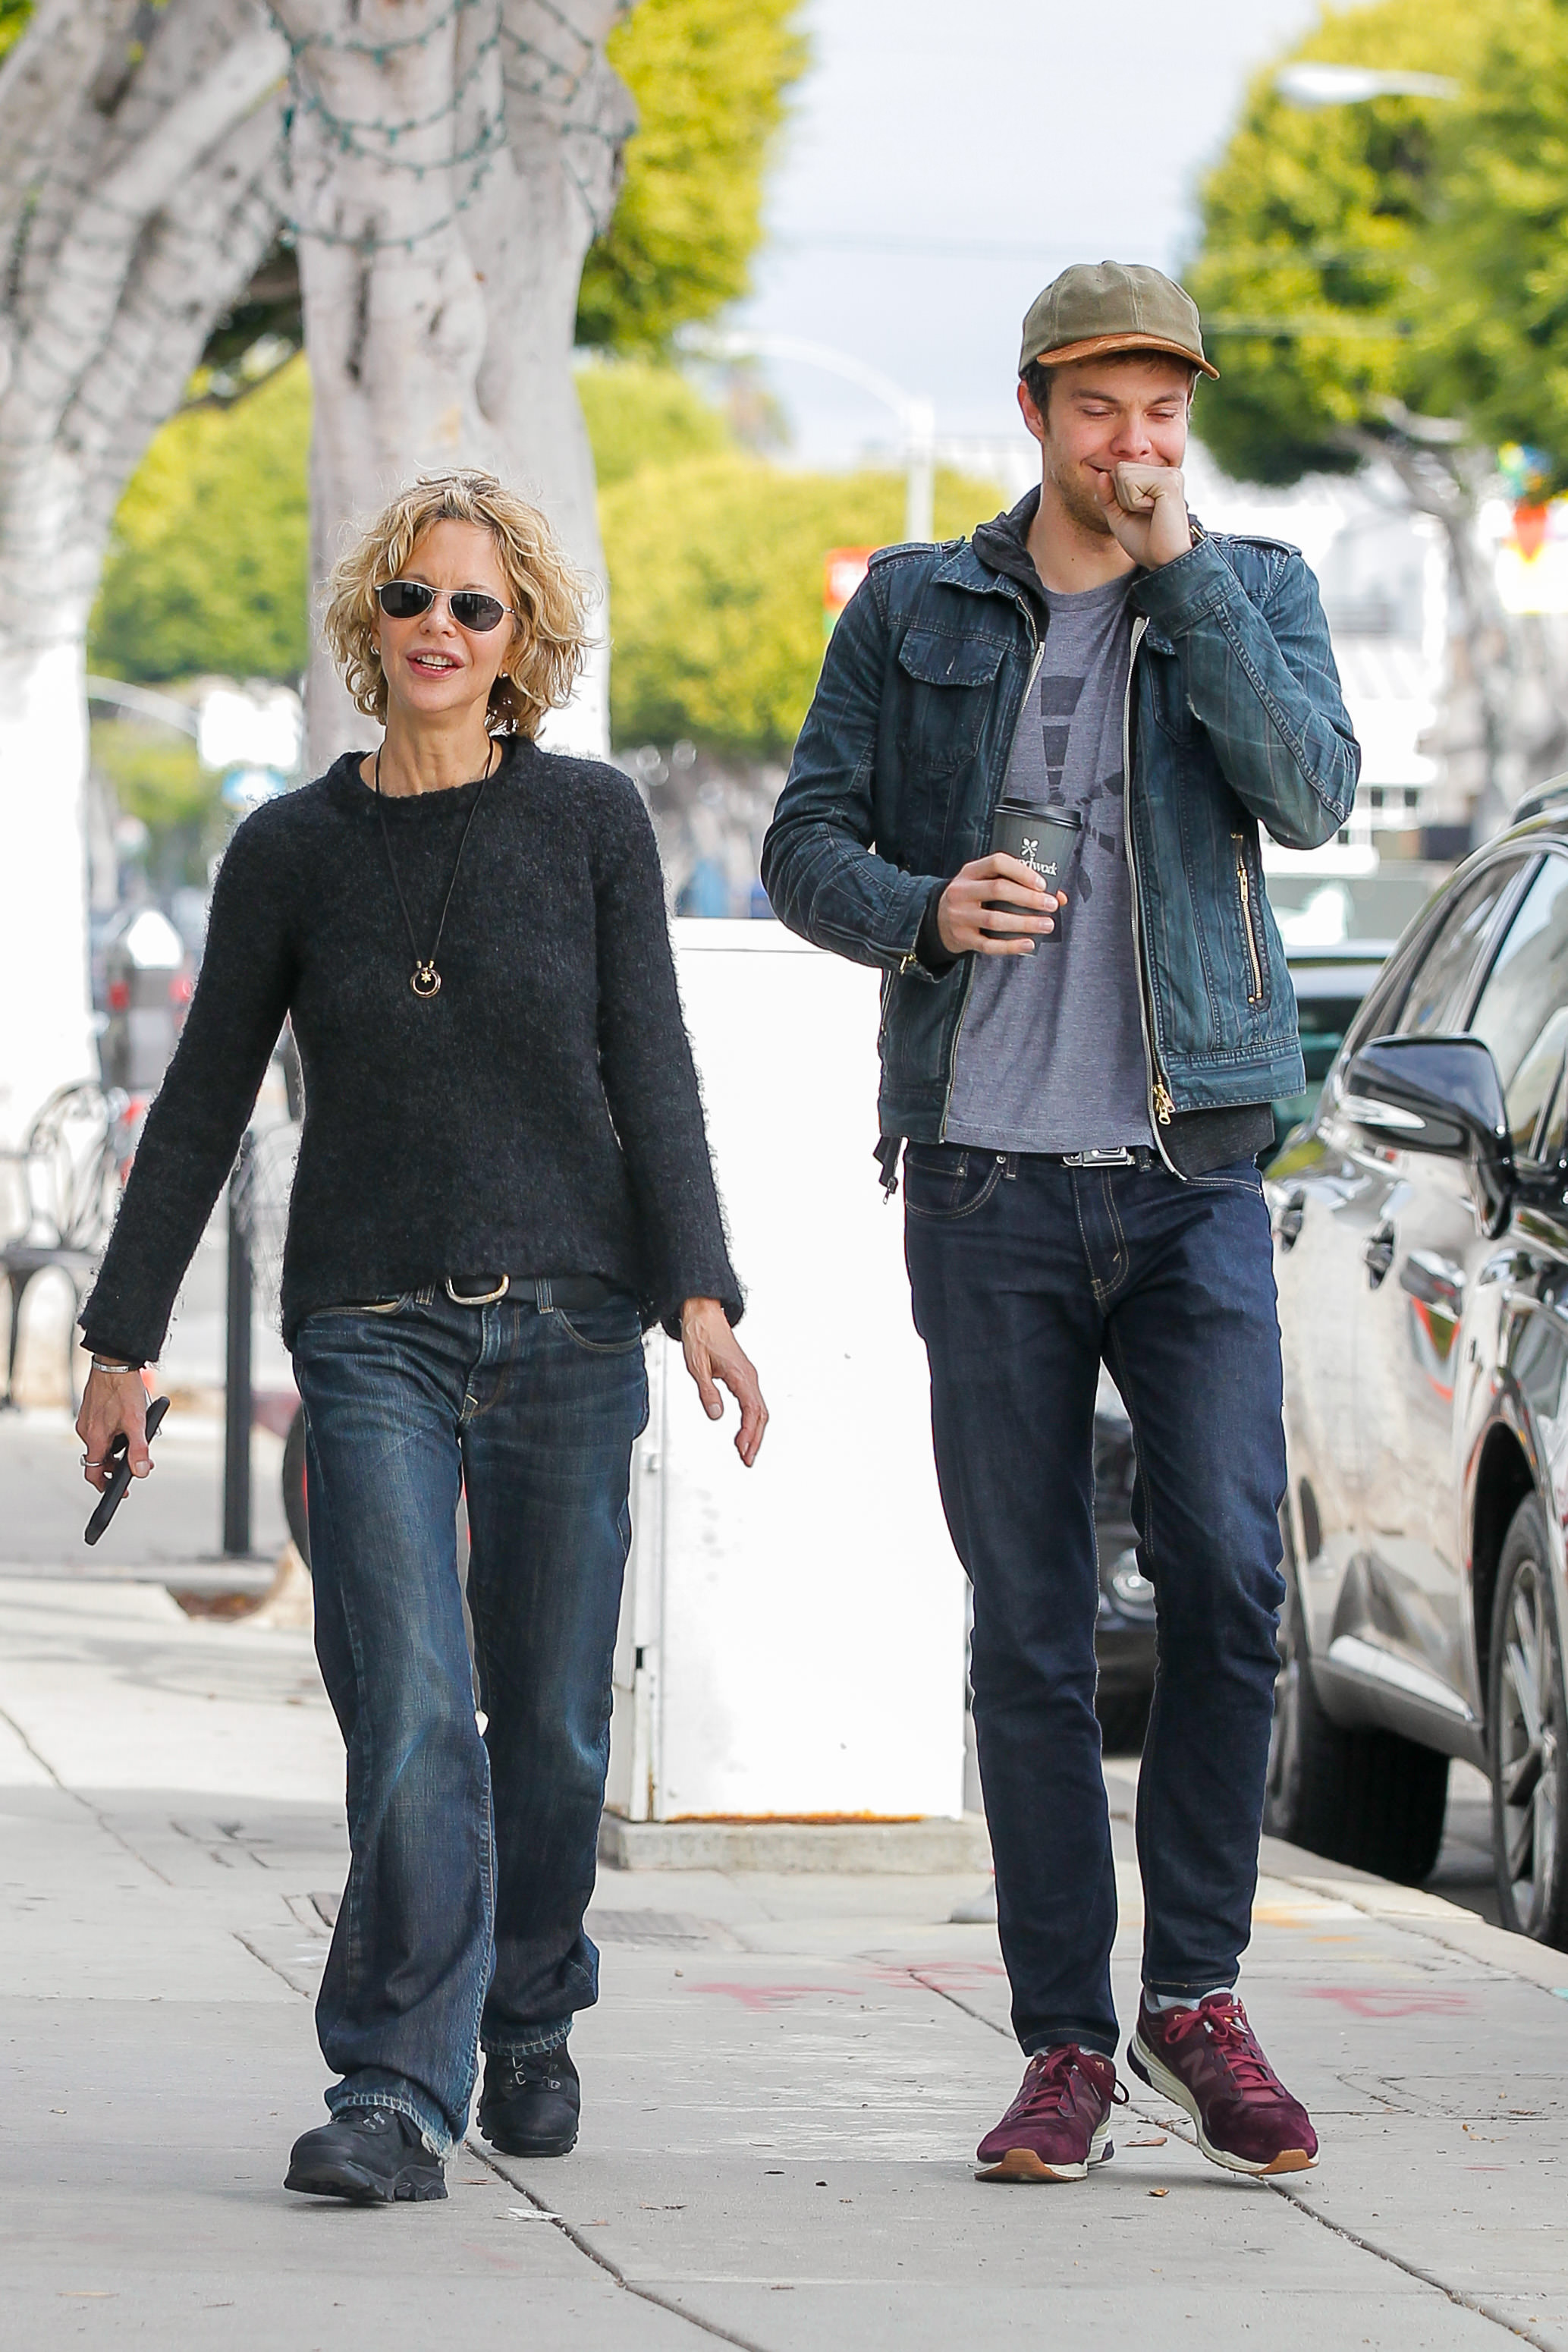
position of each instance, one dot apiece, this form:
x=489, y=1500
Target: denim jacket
x=1233, y=720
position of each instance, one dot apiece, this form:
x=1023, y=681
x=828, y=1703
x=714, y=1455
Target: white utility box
x=792, y=1639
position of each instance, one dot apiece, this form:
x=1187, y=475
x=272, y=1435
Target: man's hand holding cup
x=997, y=906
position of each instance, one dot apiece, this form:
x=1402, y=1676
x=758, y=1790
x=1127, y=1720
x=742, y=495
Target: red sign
x=1530, y=522
x=845, y=568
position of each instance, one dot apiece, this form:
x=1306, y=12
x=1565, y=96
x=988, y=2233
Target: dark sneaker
x=529, y=2104
x=370, y=2156
x=1059, y=2123
x=1207, y=2060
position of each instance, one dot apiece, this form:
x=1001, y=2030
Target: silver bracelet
x=108, y=1364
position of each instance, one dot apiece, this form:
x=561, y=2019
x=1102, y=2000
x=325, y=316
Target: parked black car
x=1124, y=1627
x=1330, y=984
x=1421, y=1223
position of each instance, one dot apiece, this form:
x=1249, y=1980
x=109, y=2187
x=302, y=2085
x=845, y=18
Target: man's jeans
x=1025, y=1274
x=473, y=1858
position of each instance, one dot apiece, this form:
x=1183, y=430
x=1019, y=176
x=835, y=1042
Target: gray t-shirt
x=1050, y=1052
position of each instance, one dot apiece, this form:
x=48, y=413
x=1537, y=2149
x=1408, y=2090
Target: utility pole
x=916, y=415
x=238, y=1390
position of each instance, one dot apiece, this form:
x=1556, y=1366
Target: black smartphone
x=113, y=1495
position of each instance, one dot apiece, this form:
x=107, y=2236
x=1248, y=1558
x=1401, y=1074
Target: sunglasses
x=405, y=600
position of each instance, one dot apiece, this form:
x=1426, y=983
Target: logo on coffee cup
x=1031, y=858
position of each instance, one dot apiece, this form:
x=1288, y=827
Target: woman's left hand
x=713, y=1354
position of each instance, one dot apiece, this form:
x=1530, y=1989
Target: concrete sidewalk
x=784, y=2081
x=174, y=1522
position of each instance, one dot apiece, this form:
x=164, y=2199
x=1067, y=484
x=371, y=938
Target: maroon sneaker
x=1058, y=2126
x=1207, y=2060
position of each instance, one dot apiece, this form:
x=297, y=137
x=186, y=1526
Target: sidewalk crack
x=1179, y=2128
x=558, y=2220
x=1482, y=2309
x=602, y=2262
x=243, y=1939
x=104, y=1823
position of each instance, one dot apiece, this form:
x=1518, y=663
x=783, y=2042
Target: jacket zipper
x=1255, y=993
x=1162, y=1110
x=969, y=982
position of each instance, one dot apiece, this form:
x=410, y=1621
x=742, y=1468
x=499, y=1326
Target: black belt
x=1124, y=1155
x=543, y=1291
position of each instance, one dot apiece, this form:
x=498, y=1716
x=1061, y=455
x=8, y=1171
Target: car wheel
x=1304, y=1796
x=1366, y=1798
x=1528, y=1738
x=1124, y=1720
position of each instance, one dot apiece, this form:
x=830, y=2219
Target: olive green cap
x=1112, y=306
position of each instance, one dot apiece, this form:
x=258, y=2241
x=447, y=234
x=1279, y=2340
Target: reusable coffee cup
x=1043, y=839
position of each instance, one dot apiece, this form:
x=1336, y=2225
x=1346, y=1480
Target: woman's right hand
x=113, y=1402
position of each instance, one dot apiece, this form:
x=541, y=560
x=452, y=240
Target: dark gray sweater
x=540, y=1116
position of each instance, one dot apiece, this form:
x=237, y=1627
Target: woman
x=503, y=1178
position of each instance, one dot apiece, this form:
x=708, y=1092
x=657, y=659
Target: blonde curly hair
x=549, y=596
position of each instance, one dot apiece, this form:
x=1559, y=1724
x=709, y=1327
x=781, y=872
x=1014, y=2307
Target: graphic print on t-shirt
x=1058, y=701
x=1051, y=1052
x=1101, y=812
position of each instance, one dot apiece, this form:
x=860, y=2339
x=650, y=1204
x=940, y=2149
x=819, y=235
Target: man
x=1080, y=1076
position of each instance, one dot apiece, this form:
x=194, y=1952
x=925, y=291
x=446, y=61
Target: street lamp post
x=916, y=415
x=1313, y=82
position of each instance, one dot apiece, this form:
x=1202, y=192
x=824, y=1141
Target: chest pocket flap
x=938, y=659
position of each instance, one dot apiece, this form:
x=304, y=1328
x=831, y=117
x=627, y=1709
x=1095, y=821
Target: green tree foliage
x=156, y=777
x=717, y=574
x=1316, y=273
x=710, y=77
x=13, y=16
x=208, y=564
x=155, y=774
x=1500, y=251
x=716, y=561
x=641, y=414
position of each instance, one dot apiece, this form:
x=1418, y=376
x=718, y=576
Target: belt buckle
x=479, y=1298
x=1120, y=1157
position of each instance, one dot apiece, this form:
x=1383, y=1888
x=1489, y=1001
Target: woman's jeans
x=472, y=1857
x=1026, y=1273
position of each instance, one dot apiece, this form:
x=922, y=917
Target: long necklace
x=424, y=979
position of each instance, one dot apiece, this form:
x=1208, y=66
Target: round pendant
x=426, y=980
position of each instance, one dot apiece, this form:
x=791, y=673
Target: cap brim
x=1097, y=346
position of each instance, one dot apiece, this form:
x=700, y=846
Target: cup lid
x=1042, y=810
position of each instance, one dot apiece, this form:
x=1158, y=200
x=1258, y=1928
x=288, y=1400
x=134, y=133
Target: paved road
x=784, y=2080
x=1464, y=1872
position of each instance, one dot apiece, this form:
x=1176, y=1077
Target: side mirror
x=1440, y=1095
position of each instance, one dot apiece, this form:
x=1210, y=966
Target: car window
x=1323, y=1024
x=1379, y=1008
x=1523, y=1012
x=1436, y=994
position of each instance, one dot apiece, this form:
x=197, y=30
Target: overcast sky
x=946, y=157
